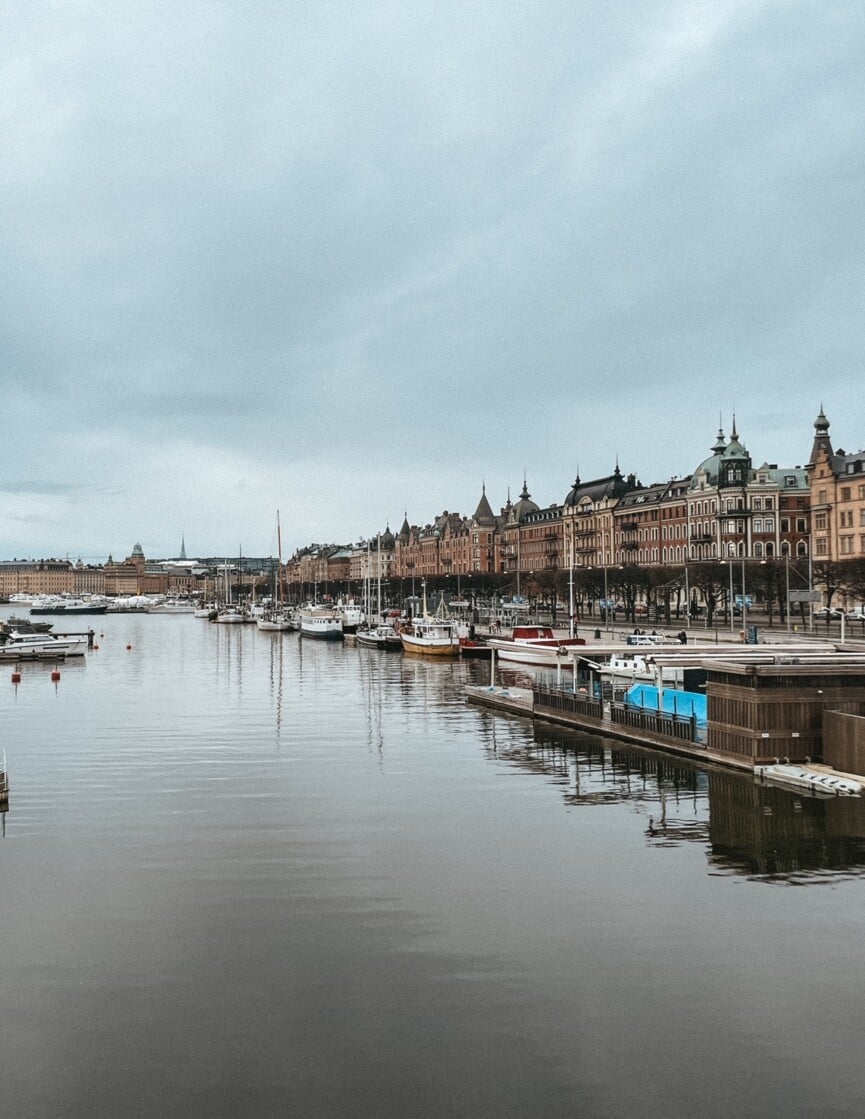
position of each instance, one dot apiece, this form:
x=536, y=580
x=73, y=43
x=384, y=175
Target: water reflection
x=758, y=830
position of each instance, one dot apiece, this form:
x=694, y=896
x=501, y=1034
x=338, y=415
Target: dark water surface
x=243, y=875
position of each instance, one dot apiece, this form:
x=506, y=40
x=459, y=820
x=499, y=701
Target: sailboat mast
x=279, y=561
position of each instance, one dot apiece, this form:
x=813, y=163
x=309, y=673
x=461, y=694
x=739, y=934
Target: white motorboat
x=41, y=646
x=352, y=616
x=535, y=645
x=172, y=606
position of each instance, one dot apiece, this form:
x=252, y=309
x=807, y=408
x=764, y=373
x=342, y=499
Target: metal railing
x=565, y=702
x=681, y=727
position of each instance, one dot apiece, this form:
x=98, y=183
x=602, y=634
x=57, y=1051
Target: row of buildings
x=726, y=508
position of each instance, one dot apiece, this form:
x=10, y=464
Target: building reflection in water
x=758, y=830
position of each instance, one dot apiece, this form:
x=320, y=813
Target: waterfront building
x=587, y=516
x=88, y=579
x=318, y=571
x=736, y=510
x=32, y=577
x=637, y=526
x=373, y=560
x=837, y=492
x=674, y=522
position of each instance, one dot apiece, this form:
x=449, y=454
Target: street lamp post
x=571, y=584
x=744, y=603
x=730, y=600
x=687, y=598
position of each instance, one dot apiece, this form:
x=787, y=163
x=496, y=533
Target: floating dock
x=766, y=704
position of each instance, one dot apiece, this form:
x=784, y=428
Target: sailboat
x=229, y=614
x=380, y=636
x=278, y=619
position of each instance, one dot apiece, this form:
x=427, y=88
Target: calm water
x=248, y=876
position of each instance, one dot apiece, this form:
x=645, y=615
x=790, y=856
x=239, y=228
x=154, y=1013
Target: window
x=758, y=524
x=758, y=549
x=785, y=524
x=821, y=497
x=845, y=493
x=822, y=546
x=770, y=524
x=801, y=525
x=820, y=521
x=862, y=493
x=758, y=503
x=769, y=503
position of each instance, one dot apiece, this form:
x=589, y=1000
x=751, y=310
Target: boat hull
x=42, y=647
x=430, y=647
x=322, y=627
x=545, y=655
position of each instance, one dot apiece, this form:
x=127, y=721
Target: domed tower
x=735, y=463
x=822, y=442
x=708, y=472
x=524, y=505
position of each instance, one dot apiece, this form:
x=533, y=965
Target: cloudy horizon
x=355, y=262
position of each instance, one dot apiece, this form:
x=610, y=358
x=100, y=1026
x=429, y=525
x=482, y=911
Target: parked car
x=646, y=639
x=857, y=615
x=828, y=614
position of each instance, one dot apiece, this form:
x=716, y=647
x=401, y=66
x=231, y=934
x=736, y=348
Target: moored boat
x=380, y=637
x=534, y=645
x=41, y=646
x=432, y=635
x=230, y=615
x=321, y=622
x=61, y=604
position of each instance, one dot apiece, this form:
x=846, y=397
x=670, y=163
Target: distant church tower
x=183, y=547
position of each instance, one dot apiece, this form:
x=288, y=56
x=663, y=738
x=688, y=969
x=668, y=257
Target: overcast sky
x=352, y=260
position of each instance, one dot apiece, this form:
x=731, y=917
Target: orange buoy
x=55, y=675
x=16, y=677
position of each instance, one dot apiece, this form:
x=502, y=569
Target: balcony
x=630, y=546
x=629, y=526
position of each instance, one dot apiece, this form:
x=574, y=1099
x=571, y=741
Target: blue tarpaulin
x=686, y=704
